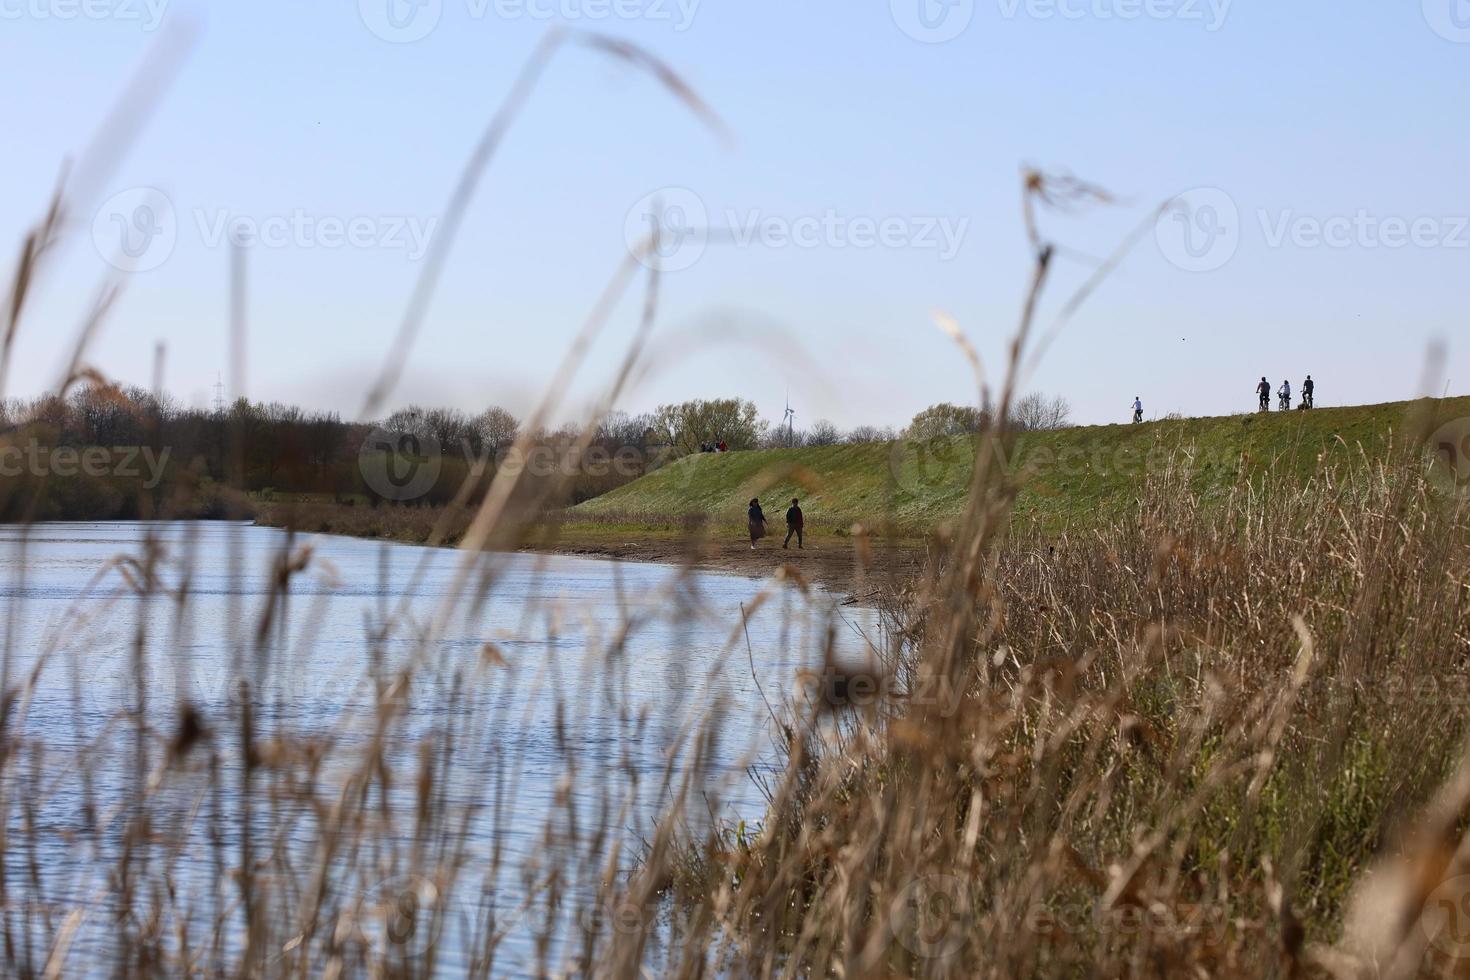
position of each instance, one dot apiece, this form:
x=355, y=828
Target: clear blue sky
x=1346, y=115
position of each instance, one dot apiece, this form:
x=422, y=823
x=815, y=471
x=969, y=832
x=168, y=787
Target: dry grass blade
x=1160, y=741
x=464, y=190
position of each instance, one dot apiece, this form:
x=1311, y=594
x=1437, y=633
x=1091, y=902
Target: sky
x=870, y=174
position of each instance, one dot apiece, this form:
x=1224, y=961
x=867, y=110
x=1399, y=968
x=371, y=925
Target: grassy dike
x=1075, y=479
x=1073, y=476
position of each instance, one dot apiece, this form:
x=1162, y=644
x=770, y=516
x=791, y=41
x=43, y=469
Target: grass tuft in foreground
x=1175, y=743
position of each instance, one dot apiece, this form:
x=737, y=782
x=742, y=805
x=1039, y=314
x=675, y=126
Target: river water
x=572, y=688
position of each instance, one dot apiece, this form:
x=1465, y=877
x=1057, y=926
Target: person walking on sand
x=795, y=521
x=757, y=522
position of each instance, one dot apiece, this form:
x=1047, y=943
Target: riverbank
x=854, y=565
x=1068, y=479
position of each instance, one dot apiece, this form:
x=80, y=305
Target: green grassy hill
x=1071, y=473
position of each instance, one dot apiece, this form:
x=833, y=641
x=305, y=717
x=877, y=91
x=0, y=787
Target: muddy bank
x=855, y=567
x=836, y=564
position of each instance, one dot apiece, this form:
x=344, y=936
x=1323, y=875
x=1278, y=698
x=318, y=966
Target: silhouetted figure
x=1308, y=390
x=795, y=521
x=1264, y=390
x=757, y=522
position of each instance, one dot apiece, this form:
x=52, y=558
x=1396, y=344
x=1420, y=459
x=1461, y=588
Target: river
x=562, y=693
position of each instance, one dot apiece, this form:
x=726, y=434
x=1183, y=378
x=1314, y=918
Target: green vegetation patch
x=1069, y=474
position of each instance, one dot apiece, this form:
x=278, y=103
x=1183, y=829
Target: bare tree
x=823, y=433
x=497, y=427
x=409, y=420
x=1036, y=412
x=869, y=433
x=453, y=429
x=944, y=419
x=620, y=429
x=780, y=438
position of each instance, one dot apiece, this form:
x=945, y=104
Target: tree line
x=736, y=422
x=114, y=452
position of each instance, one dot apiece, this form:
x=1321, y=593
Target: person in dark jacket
x=794, y=523
x=1309, y=391
x=1264, y=390
x=757, y=522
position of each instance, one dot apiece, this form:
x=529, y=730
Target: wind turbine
x=789, y=418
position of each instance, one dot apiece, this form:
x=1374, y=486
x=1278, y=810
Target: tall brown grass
x=1168, y=746
x=1177, y=743
x=1219, y=737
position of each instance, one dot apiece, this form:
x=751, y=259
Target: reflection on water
x=561, y=691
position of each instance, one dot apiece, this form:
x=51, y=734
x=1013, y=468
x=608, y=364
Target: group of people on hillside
x=795, y=522
x=714, y=447
x=1283, y=395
